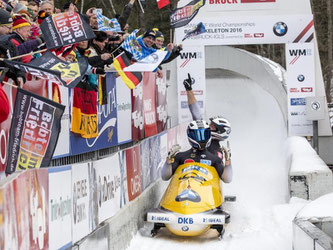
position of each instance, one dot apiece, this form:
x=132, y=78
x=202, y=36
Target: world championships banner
x=230, y=29
x=34, y=131
x=65, y=28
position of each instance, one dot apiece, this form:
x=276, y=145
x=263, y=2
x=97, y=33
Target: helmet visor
x=199, y=135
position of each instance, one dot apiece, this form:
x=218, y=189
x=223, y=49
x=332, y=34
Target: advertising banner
x=239, y=5
x=22, y=210
x=191, y=61
x=134, y=177
x=155, y=157
x=300, y=84
x=80, y=199
x=2, y=220
x=149, y=106
x=34, y=131
x=138, y=131
x=10, y=239
x=145, y=150
x=60, y=207
x=163, y=152
x=37, y=86
x=38, y=191
x=65, y=28
x=93, y=198
x=124, y=111
x=161, y=103
x=123, y=178
x=108, y=187
x=107, y=124
x=253, y=29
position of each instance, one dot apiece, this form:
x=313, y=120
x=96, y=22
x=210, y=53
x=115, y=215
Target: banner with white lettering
x=239, y=5
x=108, y=187
x=301, y=84
x=34, y=131
x=134, y=178
x=65, y=28
x=149, y=103
x=249, y=29
x=124, y=112
x=191, y=61
x=161, y=103
x=80, y=199
x=60, y=207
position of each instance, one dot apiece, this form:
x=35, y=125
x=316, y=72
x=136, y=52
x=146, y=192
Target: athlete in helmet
x=219, y=126
x=199, y=136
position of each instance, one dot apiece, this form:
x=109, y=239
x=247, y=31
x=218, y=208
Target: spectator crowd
x=21, y=39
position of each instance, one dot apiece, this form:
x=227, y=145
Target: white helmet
x=223, y=128
x=198, y=134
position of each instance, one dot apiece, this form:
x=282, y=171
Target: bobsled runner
x=192, y=203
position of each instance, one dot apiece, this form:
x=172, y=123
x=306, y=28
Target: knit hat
x=149, y=33
x=159, y=35
x=5, y=18
x=20, y=22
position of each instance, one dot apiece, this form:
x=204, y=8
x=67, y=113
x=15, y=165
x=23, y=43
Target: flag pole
x=141, y=6
x=10, y=84
x=28, y=54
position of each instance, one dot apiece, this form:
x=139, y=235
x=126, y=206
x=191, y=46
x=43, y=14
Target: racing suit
x=193, y=155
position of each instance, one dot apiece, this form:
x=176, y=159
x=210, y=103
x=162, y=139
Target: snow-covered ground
x=261, y=218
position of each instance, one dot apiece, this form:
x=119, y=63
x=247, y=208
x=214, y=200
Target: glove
x=173, y=151
x=188, y=82
x=226, y=152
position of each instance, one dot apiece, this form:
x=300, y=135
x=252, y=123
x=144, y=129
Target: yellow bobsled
x=192, y=202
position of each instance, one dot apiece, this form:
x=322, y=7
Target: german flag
x=102, y=93
x=131, y=79
x=84, y=112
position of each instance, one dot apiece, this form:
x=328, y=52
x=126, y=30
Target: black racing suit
x=201, y=156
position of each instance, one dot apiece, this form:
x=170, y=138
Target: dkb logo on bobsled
x=185, y=220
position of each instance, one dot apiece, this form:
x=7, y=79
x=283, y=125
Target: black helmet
x=198, y=134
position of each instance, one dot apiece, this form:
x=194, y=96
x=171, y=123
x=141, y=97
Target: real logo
x=300, y=78
x=280, y=29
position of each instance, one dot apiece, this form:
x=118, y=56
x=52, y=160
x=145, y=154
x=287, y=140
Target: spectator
x=33, y=10
x=91, y=13
x=70, y=6
x=48, y=7
x=21, y=28
x=6, y=23
x=98, y=50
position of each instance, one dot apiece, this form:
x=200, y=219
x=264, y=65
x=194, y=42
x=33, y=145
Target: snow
x=261, y=217
x=320, y=208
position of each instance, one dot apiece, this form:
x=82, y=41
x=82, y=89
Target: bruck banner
x=34, y=131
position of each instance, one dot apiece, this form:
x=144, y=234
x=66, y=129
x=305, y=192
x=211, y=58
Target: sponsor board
x=108, y=187
x=80, y=201
x=134, y=174
x=238, y=29
x=60, y=207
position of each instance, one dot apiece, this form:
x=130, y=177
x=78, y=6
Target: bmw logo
x=301, y=78
x=185, y=228
x=280, y=29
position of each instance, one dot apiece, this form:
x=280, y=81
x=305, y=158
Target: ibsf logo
x=301, y=78
x=280, y=29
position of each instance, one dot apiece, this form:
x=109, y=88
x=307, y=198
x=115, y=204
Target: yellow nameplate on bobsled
x=194, y=188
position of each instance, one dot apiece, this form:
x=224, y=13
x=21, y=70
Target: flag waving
x=131, y=79
x=162, y=3
x=197, y=30
x=106, y=24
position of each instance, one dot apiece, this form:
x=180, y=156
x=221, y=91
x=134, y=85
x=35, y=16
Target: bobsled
x=192, y=203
